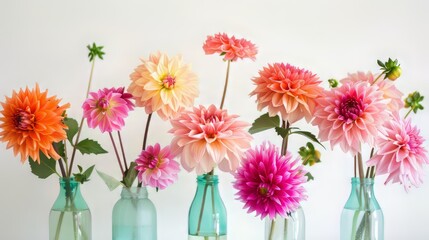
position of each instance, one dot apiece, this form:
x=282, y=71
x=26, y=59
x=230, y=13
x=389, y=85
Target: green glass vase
x=70, y=218
x=362, y=218
x=134, y=216
x=207, y=214
x=290, y=228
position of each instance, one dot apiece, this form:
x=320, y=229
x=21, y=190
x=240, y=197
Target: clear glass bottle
x=362, y=218
x=70, y=217
x=207, y=214
x=134, y=216
x=290, y=228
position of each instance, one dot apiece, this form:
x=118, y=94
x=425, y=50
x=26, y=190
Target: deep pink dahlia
x=350, y=115
x=231, y=47
x=400, y=153
x=206, y=137
x=124, y=95
x=269, y=183
x=390, y=92
x=287, y=90
x=156, y=167
x=106, y=109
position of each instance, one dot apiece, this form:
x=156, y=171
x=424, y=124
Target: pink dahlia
x=231, y=47
x=287, y=90
x=156, y=167
x=107, y=109
x=206, y=137
x=164, y=85
x=124, y=95
x=390, y=92
x=400, y=153
x=269, y=183
x=350, y=115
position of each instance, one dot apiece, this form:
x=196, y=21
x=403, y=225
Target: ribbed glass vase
x=134, y=216
x=290, y=228
x=362, y=218
x=207, y=214
x=70, y=218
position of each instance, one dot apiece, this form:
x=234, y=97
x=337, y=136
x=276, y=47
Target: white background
x=45, y=41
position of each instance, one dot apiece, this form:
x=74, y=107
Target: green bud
x=391, y=69
x=413, y=101
x=95, y=51
x=394, y=73
x=309, y=154
x=333, y=83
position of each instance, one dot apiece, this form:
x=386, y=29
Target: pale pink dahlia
x=156, y=167
x=164, y=85
x=206, y=137
x=287, y=90
x=390, y=92
x=269, y=183
x=230, y=47
x=400, y=153
x=350, y=115
x=107, y=109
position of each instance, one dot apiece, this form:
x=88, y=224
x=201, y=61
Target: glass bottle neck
x=207, y=180
x=134, y=192
x=362, y=195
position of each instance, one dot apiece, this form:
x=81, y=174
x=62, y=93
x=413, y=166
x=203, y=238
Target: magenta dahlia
x=270, y=183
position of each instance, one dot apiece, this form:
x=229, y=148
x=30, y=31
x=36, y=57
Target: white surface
x=45, y=41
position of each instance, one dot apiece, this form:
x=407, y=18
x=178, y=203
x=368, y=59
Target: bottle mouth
x=134, y=192
x=366, y=181
x=208, y=178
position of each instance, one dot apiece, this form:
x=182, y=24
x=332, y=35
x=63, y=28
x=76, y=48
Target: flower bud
x=394, y=73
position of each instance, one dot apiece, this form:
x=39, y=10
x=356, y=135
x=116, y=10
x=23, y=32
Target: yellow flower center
x=263, y=191
x=169, y=81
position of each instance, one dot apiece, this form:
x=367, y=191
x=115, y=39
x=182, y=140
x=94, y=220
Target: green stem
x=200, y=218
x=226, y=84
x=285, y=229
x=285, y=141
x=60, y=223
x=122, y=150
x=270, y=235
x=117, y=154
x=408, y=113
x=378, y=77
x=146, y=131
x=81, y=121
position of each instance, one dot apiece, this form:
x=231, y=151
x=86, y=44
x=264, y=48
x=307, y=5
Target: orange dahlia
x=30, y=122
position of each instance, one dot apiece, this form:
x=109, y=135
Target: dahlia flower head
x=287, y=91
x=107, y=109
x=400, y=153
x=31, y=121
x=164, y=85
x=351, y=115
x=390, y=92
x=209, y=137
x=231, y=48
x=269, y=183
x=156, y=167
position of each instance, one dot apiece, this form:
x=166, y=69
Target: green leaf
x=380, y=63
x=130, y=175
x=283, y=132
x=263, y=123
x=309, y=176
x=46, y=167
x=83, y=177
x=309, y=135
x=90, y=146
x=110, y=181
x=73, y=128
x=80, y=168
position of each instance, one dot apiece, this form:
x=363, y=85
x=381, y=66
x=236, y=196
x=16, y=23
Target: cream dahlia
x=350, y=115
x=287, y=90
x=164, y=85
x=206, y=137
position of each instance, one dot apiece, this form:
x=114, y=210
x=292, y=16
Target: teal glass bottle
x=134, y=216
x=70, y=217
x=362, y=217
x=207, y=214
x=290, y=228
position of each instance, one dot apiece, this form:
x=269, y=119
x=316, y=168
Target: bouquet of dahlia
x=365, y=109
x=38, y=128
x=270, y=181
